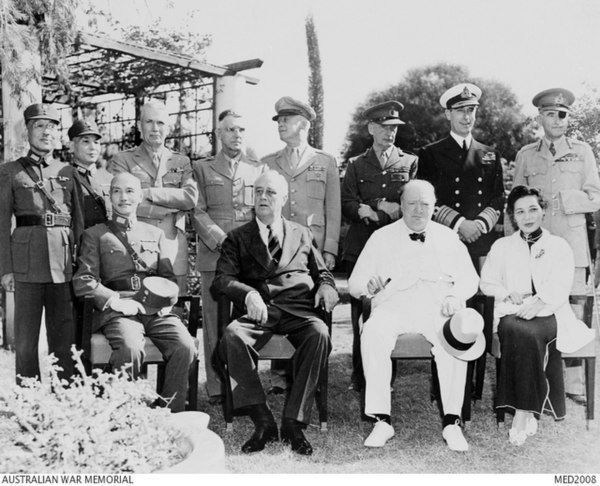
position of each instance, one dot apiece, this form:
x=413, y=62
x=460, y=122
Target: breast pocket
x=172, y=179
x=60, y=189
x=149, y=253
x=535, y=173
x=20, y=251
x=215, y=192
x=315, y=184
x=571, y=174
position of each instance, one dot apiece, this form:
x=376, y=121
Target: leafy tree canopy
x=585, y=119
x=500, y=122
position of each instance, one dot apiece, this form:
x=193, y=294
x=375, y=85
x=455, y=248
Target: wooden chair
x=278, y=347
x=97, y=350
x=415, y=346
x=583, y=306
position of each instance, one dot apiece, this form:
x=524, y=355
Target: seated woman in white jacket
x=530, y=274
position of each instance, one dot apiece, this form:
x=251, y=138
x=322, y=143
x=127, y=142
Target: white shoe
x=517, y=437
x=455, y=438
x=531, y=426
x=381, y=433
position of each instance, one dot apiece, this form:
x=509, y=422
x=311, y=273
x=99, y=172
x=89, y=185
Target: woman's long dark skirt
x=531, y=375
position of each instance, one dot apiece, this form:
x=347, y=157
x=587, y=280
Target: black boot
x=265, y=428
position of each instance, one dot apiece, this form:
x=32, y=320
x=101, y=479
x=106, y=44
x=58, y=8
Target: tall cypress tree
x=315, y=83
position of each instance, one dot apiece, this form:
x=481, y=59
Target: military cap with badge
x=460, y=95
x=288, y=106
x=41, y=111
x=80, y=128
x=386, y=113
x=555, y=99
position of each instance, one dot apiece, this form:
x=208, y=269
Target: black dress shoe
x=263, y=434
x=292, y=434
x=276, y=390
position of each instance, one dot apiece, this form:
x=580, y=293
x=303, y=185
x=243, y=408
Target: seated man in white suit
x=419, y=275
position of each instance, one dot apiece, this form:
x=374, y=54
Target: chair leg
x=499, y=411
x=590, y=387
x=160, y=378
x=466, y=408
x=321, y=397
x=479, y=377
x=193, y=387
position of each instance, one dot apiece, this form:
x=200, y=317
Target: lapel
x=372, y=159
x=562, y=148
x=221, y=165
x=474, y=154
x=395, y=157
x=256, y=247
x=142, y=159
x=291, y=240
x=452, y=151
x=282, y=163
x=306, y=160
x=163, y=165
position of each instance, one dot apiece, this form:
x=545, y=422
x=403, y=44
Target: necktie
x=552, y=149
x=383, y=159
x=274, y=246
x=156, y=160
x=417, y=237
x=465, y=148
x=294, y=158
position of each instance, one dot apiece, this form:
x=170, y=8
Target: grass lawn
x=418, y=447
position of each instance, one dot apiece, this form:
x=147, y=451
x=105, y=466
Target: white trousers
x=415, y=310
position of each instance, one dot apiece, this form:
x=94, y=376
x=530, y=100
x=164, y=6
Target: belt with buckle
x=126, y=283
x=48, y=220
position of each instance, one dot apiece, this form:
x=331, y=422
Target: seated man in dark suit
x=276, y=278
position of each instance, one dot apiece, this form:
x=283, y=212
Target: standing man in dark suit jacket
x=466, y=175
x=272, y=271
x=371, y=199
x=36, y=261
x=95, y=181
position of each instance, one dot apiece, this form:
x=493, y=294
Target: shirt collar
x=459, y=140
x=38, y=159
x=85, y=170
x=123, y=222
x=150, y=152
x=277, y=228
x=387, y=151
x=557, y=143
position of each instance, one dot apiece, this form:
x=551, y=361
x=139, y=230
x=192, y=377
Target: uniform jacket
x=245, y=265
x=168, y=192
x=37, y=253
x=367, y=183
x=95, y=212
x=103, y=258
x=387, y=254
x=570, y=185
x=225, y=201
x=314, y=197
x=471, y=186
x=511, y=266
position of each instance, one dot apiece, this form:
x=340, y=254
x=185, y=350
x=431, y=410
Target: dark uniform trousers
x=366, y=182
x=243, y=339
x=40, y=255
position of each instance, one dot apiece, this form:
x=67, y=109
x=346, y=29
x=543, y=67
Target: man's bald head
x=125, y=194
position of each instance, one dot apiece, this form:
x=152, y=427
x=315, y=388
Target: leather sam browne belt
x=126, y=283
x=48, y=220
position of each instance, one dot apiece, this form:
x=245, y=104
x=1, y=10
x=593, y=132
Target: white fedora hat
x=462, y=335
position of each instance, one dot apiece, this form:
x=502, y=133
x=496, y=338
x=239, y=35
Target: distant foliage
x=53, y=24
x=500, y=122
x=585, y=119
x=315, y=83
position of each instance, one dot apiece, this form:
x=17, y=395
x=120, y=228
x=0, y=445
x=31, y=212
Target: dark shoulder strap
x=134, y=255
x=88, y=187
x=39, y=184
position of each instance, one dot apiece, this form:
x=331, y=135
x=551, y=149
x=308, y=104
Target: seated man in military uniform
x=114, y=259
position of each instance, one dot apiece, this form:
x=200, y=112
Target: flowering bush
x=101, y=423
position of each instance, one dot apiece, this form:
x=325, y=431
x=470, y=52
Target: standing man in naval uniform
x=371, y=199
x=168, y=184
x=466, y=175
x=565, y=170
x=95, y=182
x=225, y=201
x=36, y=261
x=314, y=185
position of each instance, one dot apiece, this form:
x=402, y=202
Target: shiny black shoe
x=263, y=434
x=292, y=434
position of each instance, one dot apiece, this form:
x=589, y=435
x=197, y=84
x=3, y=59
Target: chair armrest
x=484, y=304
x=87, y=319
x=194, y=320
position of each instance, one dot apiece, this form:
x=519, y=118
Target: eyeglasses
x=40, y=125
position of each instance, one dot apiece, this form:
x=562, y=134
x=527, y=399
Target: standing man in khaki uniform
x=95, y=182
x=371, y=199
x=36, y=262
x=566, y=172
x=314, y=183
x=225, y=201
x=168, y=184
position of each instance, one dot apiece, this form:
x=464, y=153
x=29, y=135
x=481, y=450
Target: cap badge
x=466, y=94
x=560, y=99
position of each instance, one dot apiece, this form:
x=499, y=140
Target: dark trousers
x=531, y=376
x=126, y=335
x=239, y=346
x=57, y=301
x=355, y=313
